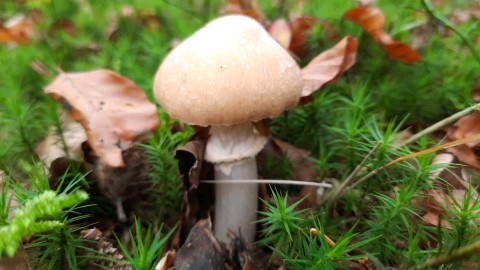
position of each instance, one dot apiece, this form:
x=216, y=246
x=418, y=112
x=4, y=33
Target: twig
x=328, y=239
x=332, y=244
x=407, y=157
x=441, y=124
x=338, y=189
x=443, y=20
x=449, y=257
x=268, y=181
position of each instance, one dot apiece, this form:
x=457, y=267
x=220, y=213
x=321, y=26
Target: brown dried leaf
x=329, y=65
x=372, y=20
x=113, y=110
x=55, y=145
x=302, y=168
x=196, y=198
x=476, y=91
x=440, y=202
x=280, y=31
x=64, y=25
x=245, y=7
x=465, y=127
x=167, y=260
x=403, y=52
x=299, y=29
x=190, y=159
x=19, y=29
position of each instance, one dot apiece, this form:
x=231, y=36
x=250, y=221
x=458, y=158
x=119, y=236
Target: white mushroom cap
x=230, y=71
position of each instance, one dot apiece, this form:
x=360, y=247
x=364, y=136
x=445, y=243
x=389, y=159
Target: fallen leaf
x=465, y=127
x=372, y=20
x=66, y=142
x=476, y=91
x=167, y=260
x=400, y=51
x=64, y=25
x=197, y=198
x=19, y=29
x=190, y=159
x=113, y=110
x=280, y=31
x=441, y=205
x=329, y=65
x=299, y=29
x=302, y=168
x=245, y=7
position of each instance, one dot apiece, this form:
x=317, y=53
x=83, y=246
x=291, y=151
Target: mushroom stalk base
x=236, y=204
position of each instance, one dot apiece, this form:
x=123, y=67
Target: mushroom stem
x=232, y=149
x=236, y=204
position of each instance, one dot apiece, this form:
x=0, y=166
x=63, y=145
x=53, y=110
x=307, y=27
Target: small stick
x=441, y=124
x=332, y=244
x=268, y=181
x=449, y=257
x=338, y=189
x=424, y=152
x=329, y=240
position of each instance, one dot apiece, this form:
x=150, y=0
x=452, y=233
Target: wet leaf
x=280, y=31
x=329, y=65
x=465, y=127
x=113, y=110
x=372, y=20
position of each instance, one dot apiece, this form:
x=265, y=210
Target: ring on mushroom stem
x=227, y=75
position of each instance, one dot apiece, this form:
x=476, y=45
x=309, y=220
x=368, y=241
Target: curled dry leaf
x=465, y=127
x=196, y=198
x=372, y=20
x=329, y=65
x=112, y=109
x=281, y=32
x=190, y=159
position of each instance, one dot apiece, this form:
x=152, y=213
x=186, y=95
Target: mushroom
x=227, y=75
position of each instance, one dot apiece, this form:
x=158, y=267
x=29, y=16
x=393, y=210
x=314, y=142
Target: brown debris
x=465, y=127
x=372, y=20
x=105, y=248
x=201, y=250
x=328, y=66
